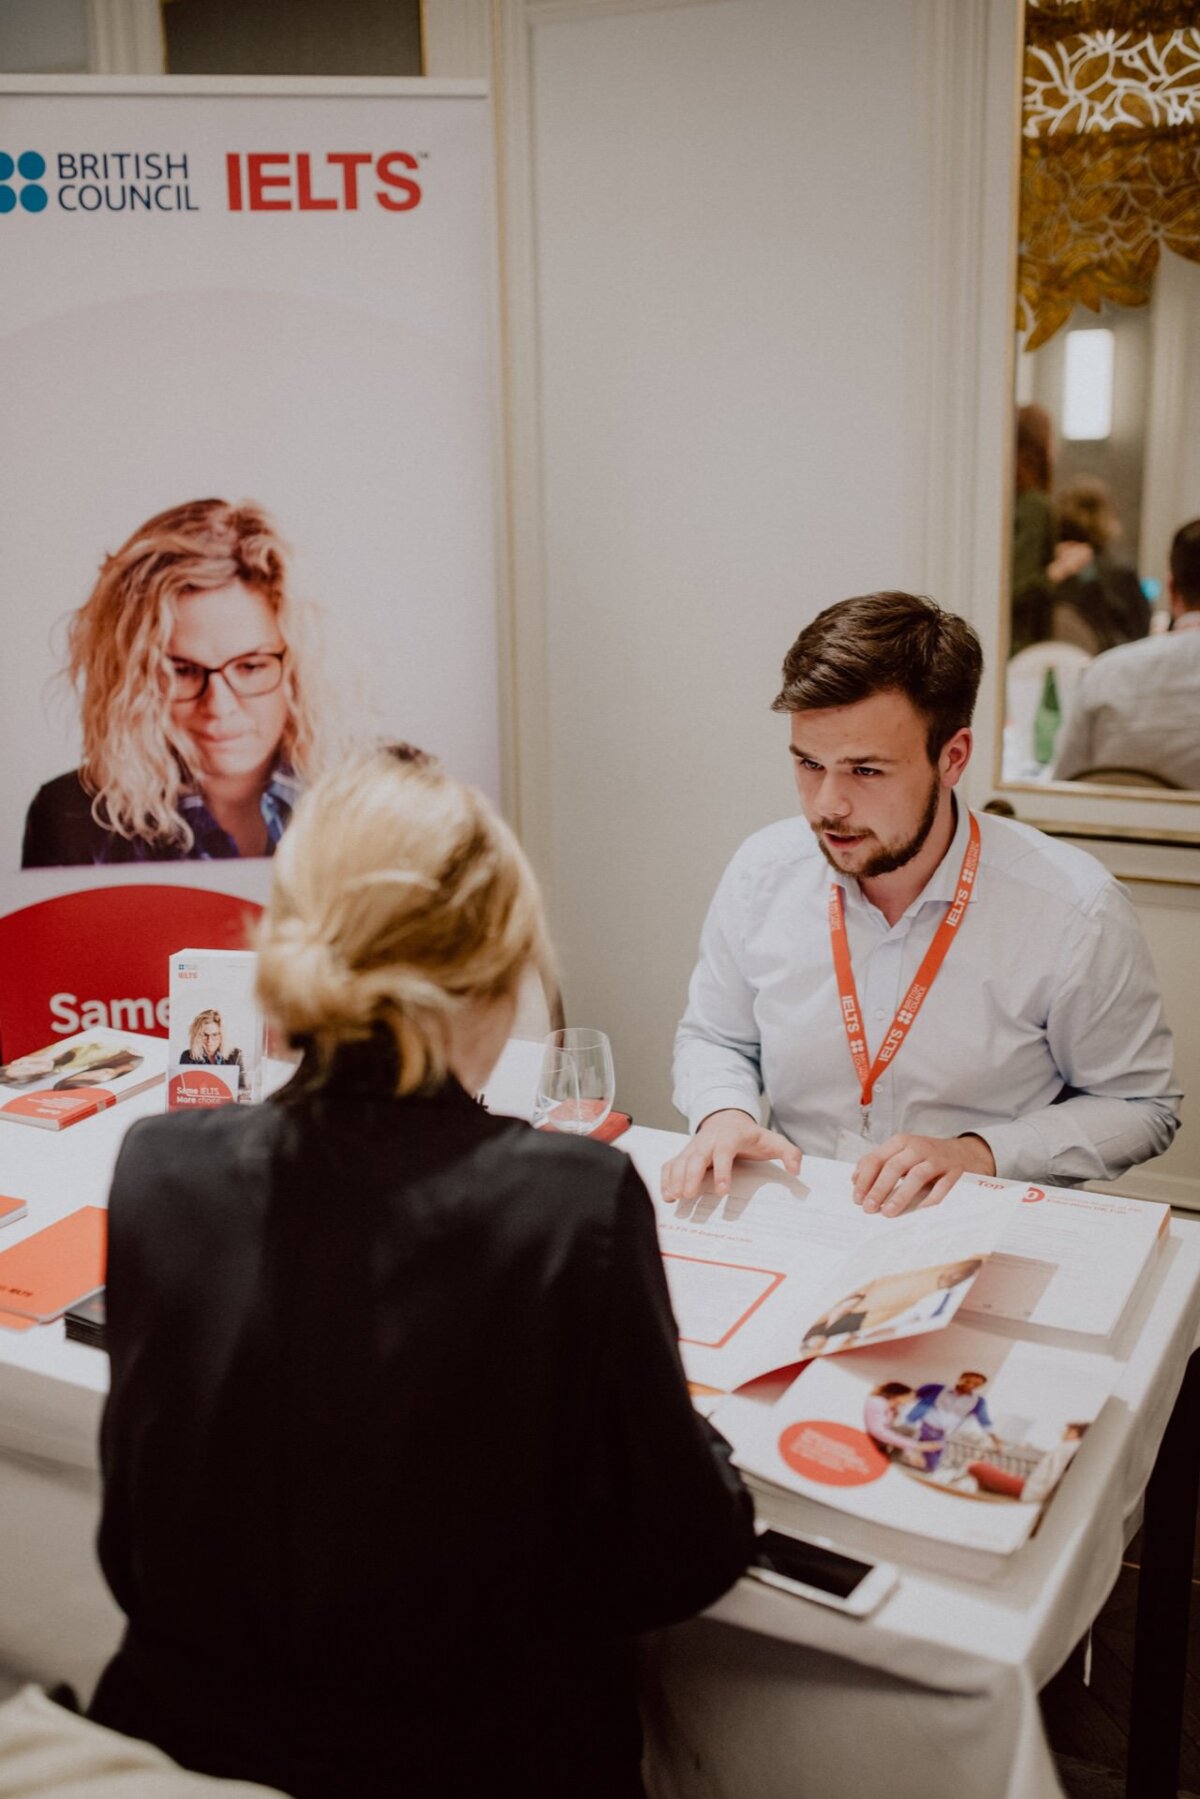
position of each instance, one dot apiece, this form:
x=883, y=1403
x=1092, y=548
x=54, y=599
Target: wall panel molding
x=125, y=37
x=527, y=736
x=545, y=12
x=456, y=38
x=972, y=151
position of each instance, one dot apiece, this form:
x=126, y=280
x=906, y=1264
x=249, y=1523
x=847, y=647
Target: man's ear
x=954, y=756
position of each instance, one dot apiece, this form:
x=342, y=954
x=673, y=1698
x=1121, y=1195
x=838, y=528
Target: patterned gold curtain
x=1110, y=158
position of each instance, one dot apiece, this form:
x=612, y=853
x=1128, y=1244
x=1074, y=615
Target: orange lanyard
x=914, y=999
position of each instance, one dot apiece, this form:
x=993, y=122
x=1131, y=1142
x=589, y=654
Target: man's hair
x=1087, y=512
x=887, y=643
x=1185, y=562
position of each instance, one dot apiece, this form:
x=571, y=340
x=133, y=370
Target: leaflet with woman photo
x=217, y=1030
x=79, y=1076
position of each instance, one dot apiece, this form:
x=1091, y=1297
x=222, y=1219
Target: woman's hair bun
x=308, y=989
x=398, y=897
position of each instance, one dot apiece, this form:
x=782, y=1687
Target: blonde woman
x=206, y=1045
x=398, y=1450
x=199, y=722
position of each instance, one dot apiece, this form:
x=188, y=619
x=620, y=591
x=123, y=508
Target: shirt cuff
x=721, y=1099
x=1018, y=1150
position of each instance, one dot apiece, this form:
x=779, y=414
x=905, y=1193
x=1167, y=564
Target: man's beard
x=888, y=858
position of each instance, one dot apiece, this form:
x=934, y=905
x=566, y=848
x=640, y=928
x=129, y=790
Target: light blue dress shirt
x=1043, y=1033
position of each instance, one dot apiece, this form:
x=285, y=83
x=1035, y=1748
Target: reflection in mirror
x=1103, y=680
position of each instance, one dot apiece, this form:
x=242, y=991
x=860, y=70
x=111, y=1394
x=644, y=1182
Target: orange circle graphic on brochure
x=835, y=1455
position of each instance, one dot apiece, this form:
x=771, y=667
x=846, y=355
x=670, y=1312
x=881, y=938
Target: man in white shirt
x=1137, y=707
x=897, y=981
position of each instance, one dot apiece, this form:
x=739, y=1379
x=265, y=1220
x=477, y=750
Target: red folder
x=56, y=1267
x=11, y=1209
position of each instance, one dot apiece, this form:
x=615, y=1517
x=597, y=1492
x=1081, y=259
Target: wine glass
x=576, y=1085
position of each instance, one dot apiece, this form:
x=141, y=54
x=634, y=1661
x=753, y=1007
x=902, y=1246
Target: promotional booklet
x=43, y=1275
x=961, y=1436
x=783, y=1269
x=79, y=1076
x=217, y=1033
x=1070, y=1261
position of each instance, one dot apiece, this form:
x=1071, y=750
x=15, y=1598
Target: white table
x=938, y=1691
x=766, y=1695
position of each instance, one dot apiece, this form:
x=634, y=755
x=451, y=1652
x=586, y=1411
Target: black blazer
x=398, y=1451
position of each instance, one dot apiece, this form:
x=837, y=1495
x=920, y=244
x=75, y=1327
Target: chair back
x=1024, y=680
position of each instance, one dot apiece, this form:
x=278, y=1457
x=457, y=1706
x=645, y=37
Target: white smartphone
x=814, y=1569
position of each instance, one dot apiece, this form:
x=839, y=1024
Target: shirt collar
x=276, y=803
x=942, y=884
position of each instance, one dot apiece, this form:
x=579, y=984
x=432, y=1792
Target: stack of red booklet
x=53, y=1269
x=79, y=1076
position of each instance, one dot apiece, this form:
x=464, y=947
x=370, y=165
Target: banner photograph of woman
x=197, y=705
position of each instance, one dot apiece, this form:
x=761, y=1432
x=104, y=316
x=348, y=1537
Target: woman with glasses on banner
x=198, y=719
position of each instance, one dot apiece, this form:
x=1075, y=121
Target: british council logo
x=32, y=196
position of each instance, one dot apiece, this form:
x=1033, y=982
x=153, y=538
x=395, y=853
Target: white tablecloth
x=765, y=1696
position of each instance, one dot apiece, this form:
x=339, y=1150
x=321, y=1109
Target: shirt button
x=879, y=1013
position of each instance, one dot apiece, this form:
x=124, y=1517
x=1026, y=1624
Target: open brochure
x=79, y=1076
x=1070, y=1260
x=961, y=1436
x=784, y=1269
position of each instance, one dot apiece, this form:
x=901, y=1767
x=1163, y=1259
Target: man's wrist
x=981, y=1161
x=726, y=1112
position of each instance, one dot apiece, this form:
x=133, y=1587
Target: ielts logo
x=283, y=181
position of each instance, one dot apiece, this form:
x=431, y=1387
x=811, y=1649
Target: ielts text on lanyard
x=914, y=999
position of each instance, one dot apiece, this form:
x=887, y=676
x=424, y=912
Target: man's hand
x=907, y=1171
x=723, y=1137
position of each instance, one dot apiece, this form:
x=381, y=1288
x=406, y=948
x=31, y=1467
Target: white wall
x=43, y=37
x=734, y=231
x=757, y=262
x=716, y=350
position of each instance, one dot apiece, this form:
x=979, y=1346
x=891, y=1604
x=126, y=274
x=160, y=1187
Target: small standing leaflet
x=217, y=1033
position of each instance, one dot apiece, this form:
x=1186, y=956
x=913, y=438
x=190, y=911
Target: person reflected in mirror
x=1102, y=604
x=398, y=1453
x=1136, y=709
x=1039, y=561
x=895, y=980
x=198, y=708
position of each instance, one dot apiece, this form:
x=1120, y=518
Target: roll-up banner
x=246, y=497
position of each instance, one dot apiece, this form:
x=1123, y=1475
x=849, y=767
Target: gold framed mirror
x=1102, y=633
